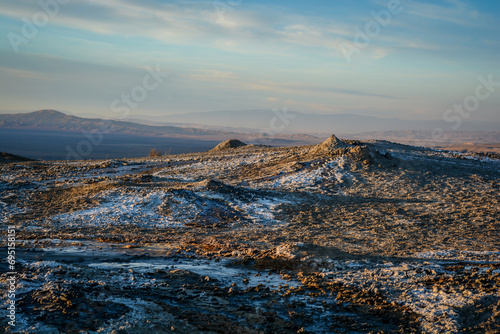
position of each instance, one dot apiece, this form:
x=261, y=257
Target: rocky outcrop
x=356, y=151
x=228, y=144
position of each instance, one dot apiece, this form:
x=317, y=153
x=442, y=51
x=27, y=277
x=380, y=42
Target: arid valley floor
x=341, y=237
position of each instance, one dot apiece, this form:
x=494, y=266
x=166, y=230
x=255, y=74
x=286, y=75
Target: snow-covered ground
x=414, y=230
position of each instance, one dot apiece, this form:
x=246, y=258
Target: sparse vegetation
x=154, y=153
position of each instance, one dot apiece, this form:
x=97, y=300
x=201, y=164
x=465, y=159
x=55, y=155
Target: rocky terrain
x=482, y=142
x=341, y=237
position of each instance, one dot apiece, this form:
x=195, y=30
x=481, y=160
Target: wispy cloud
x=258, y=53
x=185, y=23
x=456, y=12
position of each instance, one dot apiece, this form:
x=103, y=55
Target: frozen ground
x=343, y=237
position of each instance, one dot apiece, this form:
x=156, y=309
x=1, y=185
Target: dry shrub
x=154, y=153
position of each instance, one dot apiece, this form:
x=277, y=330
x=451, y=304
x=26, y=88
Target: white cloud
x=191, y=23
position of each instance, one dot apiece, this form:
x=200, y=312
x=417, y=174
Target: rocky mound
x=228, y=144
x=355, y=151
x=222, y=188
x=330, y=145
x=211, y=184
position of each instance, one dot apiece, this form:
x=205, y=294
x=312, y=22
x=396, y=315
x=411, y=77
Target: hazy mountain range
x=57, y=121
x=50, y=134
x=296, y=122
x=215, y=123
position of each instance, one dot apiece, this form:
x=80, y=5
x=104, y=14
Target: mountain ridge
x=50, y=134
x=299, y=122
x=53, y=120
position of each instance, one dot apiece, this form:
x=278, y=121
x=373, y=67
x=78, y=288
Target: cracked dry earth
x=342, y=237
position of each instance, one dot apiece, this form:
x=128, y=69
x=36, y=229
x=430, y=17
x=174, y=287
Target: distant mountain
x=46, y=134
x=52, y=135
x=309, y=123
x=53, y=120
x=155, y=120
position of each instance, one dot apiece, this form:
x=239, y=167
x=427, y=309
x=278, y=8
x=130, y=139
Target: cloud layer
x=252, y=55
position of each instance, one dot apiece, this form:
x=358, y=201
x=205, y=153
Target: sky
x=404, y=59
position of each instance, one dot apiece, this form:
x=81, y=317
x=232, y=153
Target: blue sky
x=244, y=55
